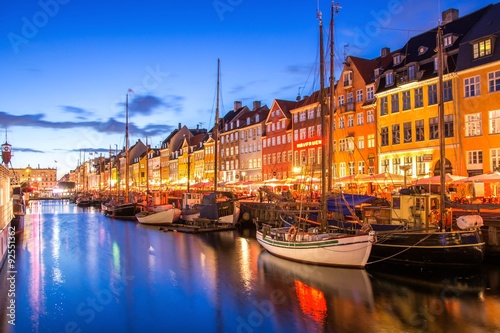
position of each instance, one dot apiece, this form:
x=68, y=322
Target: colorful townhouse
x=277, y=144
x=407, y=102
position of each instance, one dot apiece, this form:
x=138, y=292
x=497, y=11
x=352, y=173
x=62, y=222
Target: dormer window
x=248, y=121
x=348, y=79
x=396, y=59
x=257, y=118
x=422, y=50
x=448, y=40
x=389, y=79
x=376, y=72
x=238, y=123
x=482, y=48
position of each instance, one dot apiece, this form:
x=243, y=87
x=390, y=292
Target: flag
x=131, y=91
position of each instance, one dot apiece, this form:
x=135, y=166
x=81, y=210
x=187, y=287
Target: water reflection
x=79, y=270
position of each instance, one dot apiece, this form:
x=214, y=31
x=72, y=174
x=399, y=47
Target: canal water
x=79, y=271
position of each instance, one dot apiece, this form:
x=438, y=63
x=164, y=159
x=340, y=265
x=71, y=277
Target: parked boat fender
x=292, y=233
x=469, y=221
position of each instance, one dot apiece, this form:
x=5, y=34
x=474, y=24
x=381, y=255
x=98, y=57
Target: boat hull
x=342, y=251
x=163, y=217
x=432, y=248
x=125, y=211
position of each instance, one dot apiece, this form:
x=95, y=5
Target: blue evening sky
x=66, y=65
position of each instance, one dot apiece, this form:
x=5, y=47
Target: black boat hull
x=433, y=249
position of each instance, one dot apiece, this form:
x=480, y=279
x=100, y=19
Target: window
x=350, y=98
x=494, y=81
x=348, y=79
x=421, y=166
x=310, y=114
x=311, y=156
x=278, y=125
x=395, y=134
x=278, y=140
x=350, y=120
x=303, y=134
x=342, y=169
x=361, y=167
x=359, y=95
x=449, y=130
x=302, y=116
x=371, y=140
x=472, y=87
x=495, y=159
x=370, y=93
x=419, y=130
x=407, y=132
x=383, y=106
x=482, y=48
x=360, y=119
x=395, y=103
x=310, y=132
x=361, y=142
x=432, y=90
x=406, y=100
x=384, y=136
x=447, y=41
x=494, y=122
x=385, y=165
x=419, y=97
x=341, y=100
x=475, y=159
x=342, y=145
x=396, y=164
x=389, y=79
x=411, y=73
x=296, y=135
x=352, y=169
x=473, y=124
x=370, y=118
x=295, y=118
x=341, y=122
x=396, y=59
x=447, y=91
x=433, y=128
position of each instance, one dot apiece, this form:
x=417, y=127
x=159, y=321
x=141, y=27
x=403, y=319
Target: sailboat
x=218, y=206
x=156, y=214
x=415, y=229
x=311, y=242
x=126, y=210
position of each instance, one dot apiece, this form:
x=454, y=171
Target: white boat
x=319, y=248
x=167, y=214
x=321, y=245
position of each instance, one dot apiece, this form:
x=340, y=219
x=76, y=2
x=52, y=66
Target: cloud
x=145, y=105
x=82, y=113
x=111, y=126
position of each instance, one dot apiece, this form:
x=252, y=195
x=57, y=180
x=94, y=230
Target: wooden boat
x=315, y=242
x=165, y=214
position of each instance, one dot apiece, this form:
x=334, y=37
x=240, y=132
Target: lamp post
x=405, y=168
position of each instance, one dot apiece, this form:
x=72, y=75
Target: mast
x=323, y=121
x=147, y=168
x=442, y=155
x=334, y=10
x=216, y=128
x=126, y=151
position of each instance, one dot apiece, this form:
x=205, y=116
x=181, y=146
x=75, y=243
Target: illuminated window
x=473, y=124
x=482, y=48
x=494, y=122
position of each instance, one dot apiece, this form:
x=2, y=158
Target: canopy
x=485, y=177
x=384, y=177
x=437, y=179
x=340, y=203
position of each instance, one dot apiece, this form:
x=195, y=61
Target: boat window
x=396, y=203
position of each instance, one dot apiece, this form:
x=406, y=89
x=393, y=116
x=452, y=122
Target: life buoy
x=292, y=233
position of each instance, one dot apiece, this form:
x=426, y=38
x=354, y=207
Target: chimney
x=256, y=105
x=179, y=126
x=385, y=51
x=237, y=105
x=449, y=15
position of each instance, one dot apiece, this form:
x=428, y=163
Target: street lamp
x=405, y=168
